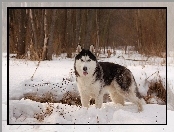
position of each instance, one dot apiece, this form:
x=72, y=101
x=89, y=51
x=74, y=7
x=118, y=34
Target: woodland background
x=38, y=34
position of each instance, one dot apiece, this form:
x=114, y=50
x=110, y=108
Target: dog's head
x=85, y=62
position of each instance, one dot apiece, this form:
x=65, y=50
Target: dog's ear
x=79, y=48
x=92, y=49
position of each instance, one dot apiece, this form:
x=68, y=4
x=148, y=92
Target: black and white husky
x=94, y=79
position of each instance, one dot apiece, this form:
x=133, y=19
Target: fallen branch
x=135, y=60
x=132, y=59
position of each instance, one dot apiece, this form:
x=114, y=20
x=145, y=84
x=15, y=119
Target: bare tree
x=69, y=33
x=59, y=31
x=41, y=32
x=45, y=47
x=97, y=32
x=89, y=26
x=33, y=29
x=78, y=28
x=22, y=32
x=51, y=36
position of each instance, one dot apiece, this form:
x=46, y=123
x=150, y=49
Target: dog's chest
x=89, y=86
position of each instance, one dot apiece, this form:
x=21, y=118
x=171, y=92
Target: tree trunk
x=68, y=33
x=63, y=38
x=89, y=24
x=51, y=36
x=97, y=30
x=106, y=30
x=78, y=22
x=22, y=32
x=33, y=29
x=45, y=47
x=12, y=34
x=83, y=27
x=41, y=30
x=138, y=28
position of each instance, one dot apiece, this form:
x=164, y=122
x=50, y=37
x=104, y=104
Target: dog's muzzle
x=85, y=70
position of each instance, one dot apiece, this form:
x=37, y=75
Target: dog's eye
x=89, y=60
x=82, y=60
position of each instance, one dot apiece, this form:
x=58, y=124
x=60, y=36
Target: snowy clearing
x=57, y=77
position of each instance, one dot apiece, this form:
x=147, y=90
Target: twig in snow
x=35, y=70
x=152, y=74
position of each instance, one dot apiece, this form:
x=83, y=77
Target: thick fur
x=94, y=79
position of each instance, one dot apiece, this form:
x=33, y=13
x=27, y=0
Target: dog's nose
x=85, y=68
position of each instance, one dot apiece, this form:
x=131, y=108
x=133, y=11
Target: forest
x=40, y=33
x=42, y=42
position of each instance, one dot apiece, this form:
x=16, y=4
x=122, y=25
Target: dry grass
x=47, y=97
x=71, y=98
x=157, y=91
x=47, y=112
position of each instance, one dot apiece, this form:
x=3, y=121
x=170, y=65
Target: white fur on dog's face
x=85, y=61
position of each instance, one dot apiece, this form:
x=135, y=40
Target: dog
x=94, y=79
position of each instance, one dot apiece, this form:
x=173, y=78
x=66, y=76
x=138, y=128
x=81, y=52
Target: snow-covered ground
x=56, y=77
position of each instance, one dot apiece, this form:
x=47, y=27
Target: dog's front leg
x=98, y=101
x=85, y=100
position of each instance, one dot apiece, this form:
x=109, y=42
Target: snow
x=65, y=114
x=57, y=77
